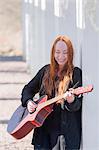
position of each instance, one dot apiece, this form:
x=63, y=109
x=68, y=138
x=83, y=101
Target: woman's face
x=61, y=51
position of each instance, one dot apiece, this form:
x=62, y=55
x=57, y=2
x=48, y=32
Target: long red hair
x=66, y=73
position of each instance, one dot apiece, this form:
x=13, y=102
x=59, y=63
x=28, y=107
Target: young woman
x=61, y=130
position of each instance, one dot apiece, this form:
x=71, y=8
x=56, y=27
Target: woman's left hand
x=70, y=96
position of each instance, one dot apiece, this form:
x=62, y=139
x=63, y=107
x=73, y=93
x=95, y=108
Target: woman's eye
x=57, y=52
x=64, y=52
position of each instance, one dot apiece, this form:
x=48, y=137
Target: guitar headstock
x=81, y=90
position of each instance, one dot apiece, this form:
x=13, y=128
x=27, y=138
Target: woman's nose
x=61, y=55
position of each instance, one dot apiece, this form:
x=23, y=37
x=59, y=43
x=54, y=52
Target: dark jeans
x=60, y=145
x=55, y=148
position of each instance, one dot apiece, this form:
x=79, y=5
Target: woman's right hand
x=31, y=106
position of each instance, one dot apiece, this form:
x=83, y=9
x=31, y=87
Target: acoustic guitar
x=22, y=122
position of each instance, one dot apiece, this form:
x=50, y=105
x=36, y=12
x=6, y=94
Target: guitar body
x=22, y=122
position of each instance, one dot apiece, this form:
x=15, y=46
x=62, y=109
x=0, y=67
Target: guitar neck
x=53, y=100
x=77, y=91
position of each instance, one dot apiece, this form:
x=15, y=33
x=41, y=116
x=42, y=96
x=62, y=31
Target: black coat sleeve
x=76, y=104
x=32, y=87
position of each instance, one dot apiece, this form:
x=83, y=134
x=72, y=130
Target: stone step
x=10, y=91
x=13, y=66
x=14, y=78
x=7, y=109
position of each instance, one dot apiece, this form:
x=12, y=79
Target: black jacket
x=64, y=120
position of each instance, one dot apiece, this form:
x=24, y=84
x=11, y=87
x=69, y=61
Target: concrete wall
x=44, y=26
x=90, y=67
